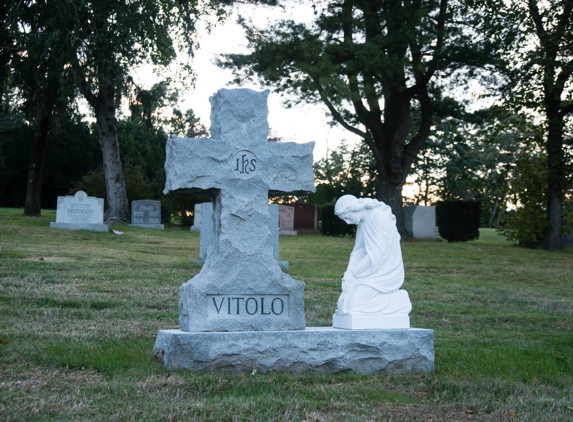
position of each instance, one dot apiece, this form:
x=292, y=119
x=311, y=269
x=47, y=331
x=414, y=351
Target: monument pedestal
x=313, y=350
x=354, y=322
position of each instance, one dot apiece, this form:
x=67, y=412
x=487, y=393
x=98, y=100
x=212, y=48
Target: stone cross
x=241, y=286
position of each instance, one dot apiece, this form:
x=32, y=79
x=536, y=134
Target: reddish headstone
x=305, y=217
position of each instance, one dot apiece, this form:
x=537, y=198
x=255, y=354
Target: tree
x=343, y=171
x=470, y=158
x=73, y=151
x=370, y=63
x=535, y=54
x=37, y=72
x=100, y=42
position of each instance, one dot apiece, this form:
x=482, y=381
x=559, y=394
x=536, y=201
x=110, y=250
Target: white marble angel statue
x=371, y=295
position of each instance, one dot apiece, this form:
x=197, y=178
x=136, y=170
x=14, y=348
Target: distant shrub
x=137, y=185
x=331, y=225
x=458, y=221
x=181, y=206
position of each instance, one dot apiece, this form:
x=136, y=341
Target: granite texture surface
x=313, y=350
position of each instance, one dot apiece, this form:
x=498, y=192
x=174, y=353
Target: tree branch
x=412, y=148
x=566, y=110
x=335, y=114
x=564, y=75
x=536, y=16
x=423, y=78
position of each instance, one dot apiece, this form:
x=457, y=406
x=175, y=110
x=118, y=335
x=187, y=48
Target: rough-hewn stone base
x=80, y=226
x=319, y=350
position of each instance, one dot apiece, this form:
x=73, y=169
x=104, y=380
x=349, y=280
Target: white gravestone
x=420, y=221
x=371, y=295
x=241, y=289
x=80, y=212
x=207, y=237
x=196, y=227
x=146, y=213
x=241, y=286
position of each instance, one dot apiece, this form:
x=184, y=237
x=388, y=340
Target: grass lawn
x=79, y=312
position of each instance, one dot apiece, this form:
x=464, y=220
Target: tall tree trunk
x=36, y=158
x=43, y=111
x=556, y=174
x=117, y=204
x=391, y=195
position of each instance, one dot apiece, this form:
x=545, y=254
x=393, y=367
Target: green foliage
x=458, y=221
x=72, y=152
x=89, y=48
x=527, y=222
x=331, y=225
x=345, y=171
x=137, y=185
x=142, y=146
x=533, y=51
x=470, y=159
x=14, y=140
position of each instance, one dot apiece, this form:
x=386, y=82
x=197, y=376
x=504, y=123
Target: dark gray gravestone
x=146, y=213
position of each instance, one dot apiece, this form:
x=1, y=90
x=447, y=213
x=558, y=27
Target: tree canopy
x=533, y=42
x=372, y=64
x=97, y=43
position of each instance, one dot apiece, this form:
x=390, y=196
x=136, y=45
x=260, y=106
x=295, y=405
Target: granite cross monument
x=241, y=286
x=241, y=312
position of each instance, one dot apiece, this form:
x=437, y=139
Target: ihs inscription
x=244, y=164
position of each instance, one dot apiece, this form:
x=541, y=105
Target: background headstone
x=207, y=232
x=305, y=217
x=80, y=212
x=286, y=220
x=146, y=213
x=196, y=227
x=420, y=221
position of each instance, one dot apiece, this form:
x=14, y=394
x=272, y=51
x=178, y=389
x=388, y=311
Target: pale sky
x=298, y=124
